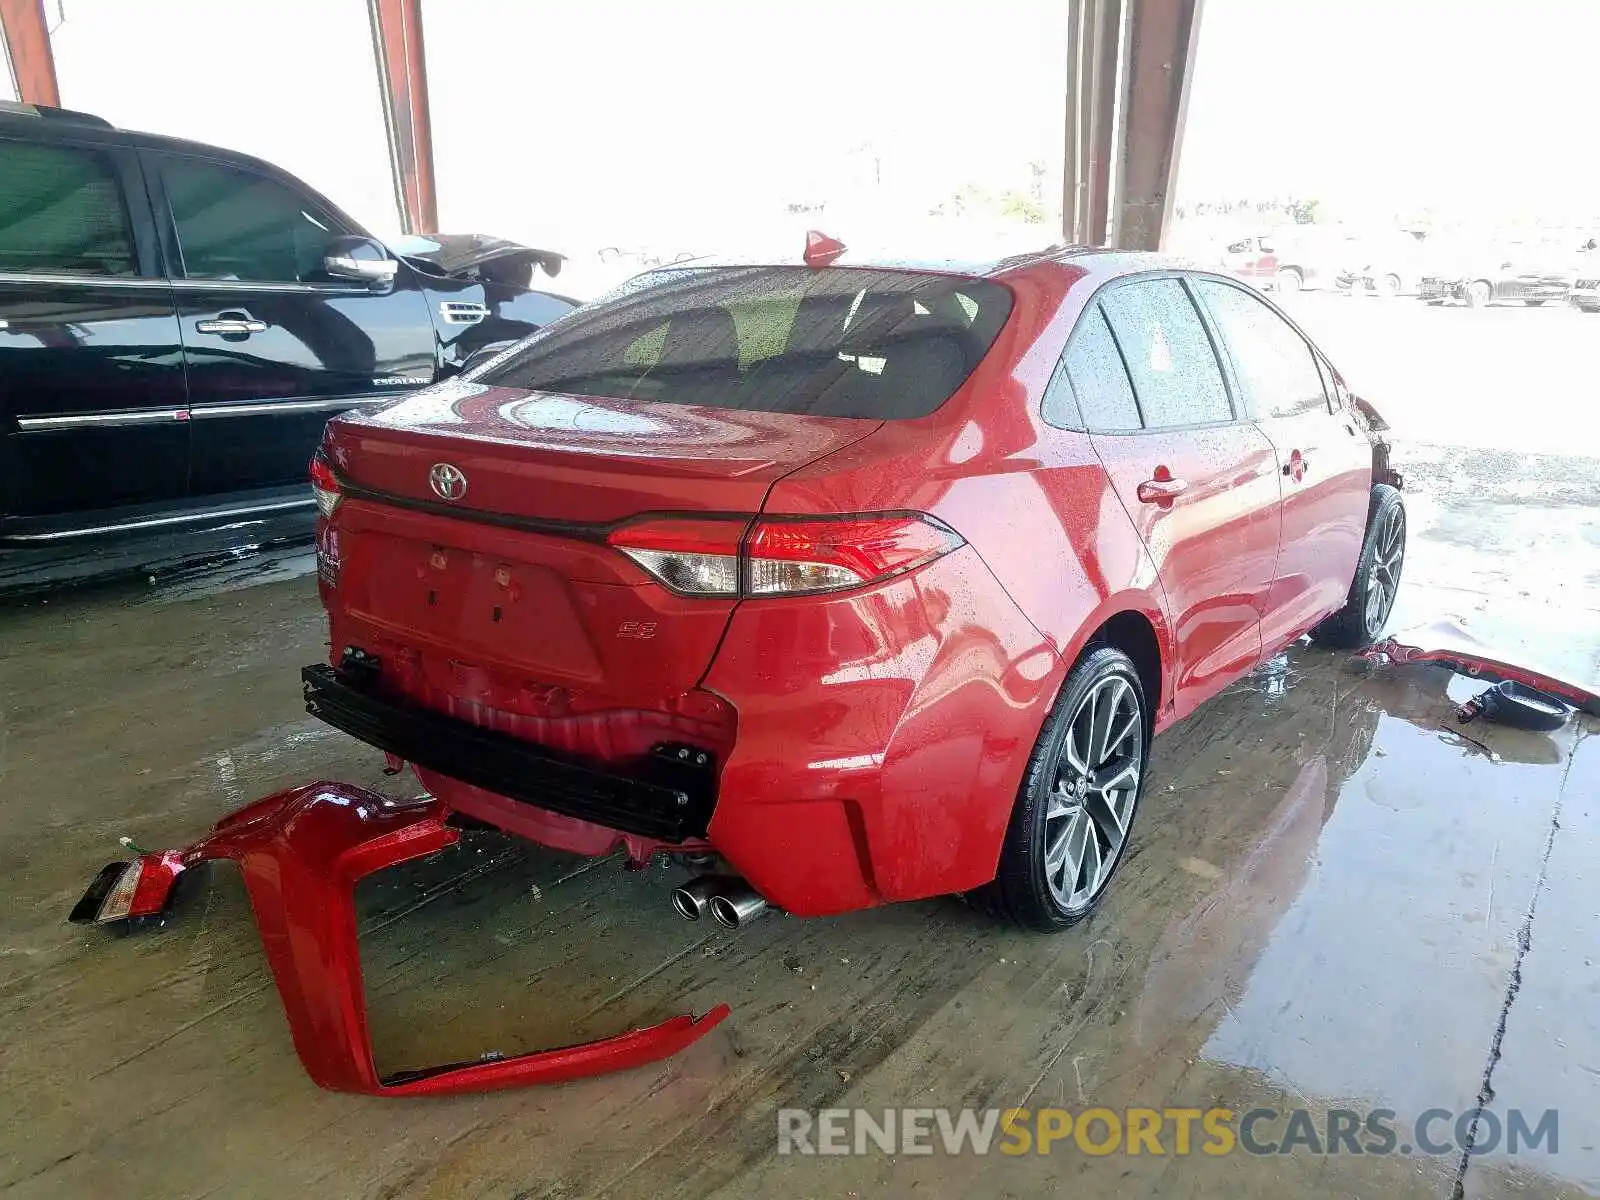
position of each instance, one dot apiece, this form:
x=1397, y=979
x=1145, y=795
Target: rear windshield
x=838, y=342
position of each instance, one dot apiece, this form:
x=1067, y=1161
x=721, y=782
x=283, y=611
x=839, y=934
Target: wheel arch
x=1131, y=624
x=1133, y=633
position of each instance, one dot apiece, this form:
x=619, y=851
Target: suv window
x=1168, y=352
x=1098, y=378
x=1276, y=369
x=61, y=212
x=841, y=342
x=234, y=224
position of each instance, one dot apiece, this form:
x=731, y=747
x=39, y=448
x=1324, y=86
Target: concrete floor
x=1331, y=902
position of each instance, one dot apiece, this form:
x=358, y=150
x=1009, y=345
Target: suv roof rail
x=72, y=116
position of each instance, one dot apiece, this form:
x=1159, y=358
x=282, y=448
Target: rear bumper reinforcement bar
x=668, y=794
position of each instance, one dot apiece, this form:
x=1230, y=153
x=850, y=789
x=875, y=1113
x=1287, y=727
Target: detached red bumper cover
x=302, y=852
x=1449, y=643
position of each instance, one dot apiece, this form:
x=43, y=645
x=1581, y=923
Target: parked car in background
x=1394, y=263
x=177, y=323
x=1586, y=287
x=1291, y=260
x=1525, y=273
x=848, y=584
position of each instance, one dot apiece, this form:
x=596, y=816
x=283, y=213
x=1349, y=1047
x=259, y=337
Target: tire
x=1434, y=303
x=1387, y=286
x=1533, y=303
x=1036, y=885
x=1479, y=293
x=1383, y=554
x=1288, y=281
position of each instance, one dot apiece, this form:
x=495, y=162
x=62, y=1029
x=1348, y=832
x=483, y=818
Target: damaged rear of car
x=552, y=585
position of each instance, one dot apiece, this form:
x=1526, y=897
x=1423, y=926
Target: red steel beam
x=1162, y=37
x=403, y=82
x=27, y=40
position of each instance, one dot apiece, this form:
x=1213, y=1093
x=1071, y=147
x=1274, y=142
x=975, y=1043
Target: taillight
x=798, y=556
x=692, y=557
x=324, y=486
x=783, y=556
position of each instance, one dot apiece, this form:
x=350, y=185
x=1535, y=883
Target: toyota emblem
x=448, y=481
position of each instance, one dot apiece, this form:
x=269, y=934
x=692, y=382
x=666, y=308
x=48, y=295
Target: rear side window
x=1098, y=378
x=1168, y=352
x=1276, y=369
x=840, y=342
x=234, y=224
x=62, y=213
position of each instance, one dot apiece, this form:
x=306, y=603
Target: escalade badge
x=447, y=481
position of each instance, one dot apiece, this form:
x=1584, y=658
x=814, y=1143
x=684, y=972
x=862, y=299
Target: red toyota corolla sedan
x=848, y=583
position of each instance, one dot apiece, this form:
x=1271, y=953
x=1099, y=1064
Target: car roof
x=42, y=124
x=1099, y=261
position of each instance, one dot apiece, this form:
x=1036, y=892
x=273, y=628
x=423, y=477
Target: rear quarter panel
x=1033, y=500
x=949, y=686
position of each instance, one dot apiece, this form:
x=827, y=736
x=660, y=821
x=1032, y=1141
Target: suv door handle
x=1297, y=466
x=1159, y=490
x=231, y=322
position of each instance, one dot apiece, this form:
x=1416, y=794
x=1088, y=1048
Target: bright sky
x=624, y=121
x=1470, y=104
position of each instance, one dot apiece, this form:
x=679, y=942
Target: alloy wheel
x=1383, y=580
x=1094, y=793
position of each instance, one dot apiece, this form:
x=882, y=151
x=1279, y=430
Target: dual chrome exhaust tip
x=729, y=900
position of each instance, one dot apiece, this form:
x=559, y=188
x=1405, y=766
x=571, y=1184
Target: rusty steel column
x=403, y=82
x=27, y=46
x=1162, y=36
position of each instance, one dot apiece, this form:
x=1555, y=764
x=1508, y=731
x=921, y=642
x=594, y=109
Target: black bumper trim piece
x=659, y=796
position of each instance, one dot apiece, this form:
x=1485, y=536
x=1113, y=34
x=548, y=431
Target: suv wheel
x=1288, y=281
x=1479, y=293
x=1377, y=579
x=1069, y=827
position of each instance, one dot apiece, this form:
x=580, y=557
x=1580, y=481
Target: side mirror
x=360, y=259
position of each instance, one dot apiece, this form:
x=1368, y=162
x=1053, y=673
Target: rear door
x=92, y=403
x=273, y=346
x=1198, y=480
x=1324, y=460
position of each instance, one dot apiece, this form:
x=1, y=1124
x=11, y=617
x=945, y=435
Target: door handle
x=1159, y=490
x=231, y=322
x=1297, y=466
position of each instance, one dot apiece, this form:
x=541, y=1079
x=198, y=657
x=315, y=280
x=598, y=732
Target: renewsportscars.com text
x=1162, y=1131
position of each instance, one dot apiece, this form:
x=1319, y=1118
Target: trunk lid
x=506, y=600
x=589, y=460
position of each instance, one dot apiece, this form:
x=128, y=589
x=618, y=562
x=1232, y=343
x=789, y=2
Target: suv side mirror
x=360, y=259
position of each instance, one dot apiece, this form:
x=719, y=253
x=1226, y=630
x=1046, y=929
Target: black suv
x=177, y=322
